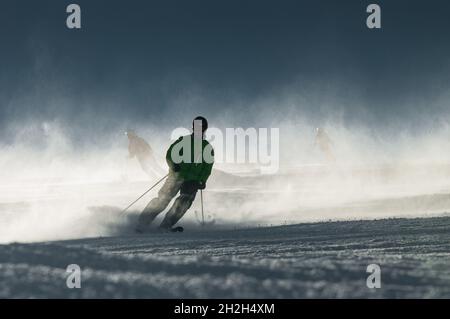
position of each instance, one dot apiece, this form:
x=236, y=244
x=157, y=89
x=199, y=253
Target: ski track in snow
x=319, y=260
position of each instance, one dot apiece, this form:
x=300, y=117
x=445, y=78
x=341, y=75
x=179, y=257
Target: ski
x=177, y=229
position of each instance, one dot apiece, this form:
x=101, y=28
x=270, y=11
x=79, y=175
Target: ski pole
x=143, y=195
x=201, y=200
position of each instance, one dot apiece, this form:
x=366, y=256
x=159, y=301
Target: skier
x=325, y=144
x=139, y=148
x=190, y=160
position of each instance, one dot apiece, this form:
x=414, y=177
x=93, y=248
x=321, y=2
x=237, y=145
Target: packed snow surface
x=310, y=260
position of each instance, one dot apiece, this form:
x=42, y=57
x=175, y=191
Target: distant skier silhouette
x=139, y=148
x=190, y=160
x=325, y=144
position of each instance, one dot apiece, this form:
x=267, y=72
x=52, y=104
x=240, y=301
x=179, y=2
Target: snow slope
x=317, y=260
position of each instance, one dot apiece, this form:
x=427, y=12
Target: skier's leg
x=146, y=167
x=181, y=205
x=158, y=204
x=157, y=169
x=151, y=167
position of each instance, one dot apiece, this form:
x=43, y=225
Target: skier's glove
x=201, y=185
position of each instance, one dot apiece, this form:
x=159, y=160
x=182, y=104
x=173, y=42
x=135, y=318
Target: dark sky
x=160, y=62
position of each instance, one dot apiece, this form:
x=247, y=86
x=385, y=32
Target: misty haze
x=357, y=170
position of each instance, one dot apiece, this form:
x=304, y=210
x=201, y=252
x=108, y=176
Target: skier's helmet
x=130, y=133
x=204, y=123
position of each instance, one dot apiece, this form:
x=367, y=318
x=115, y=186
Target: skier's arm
x=206, y=172
x=131, y=150
x=172, y=166
x=207, y=165
x=169, y=160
